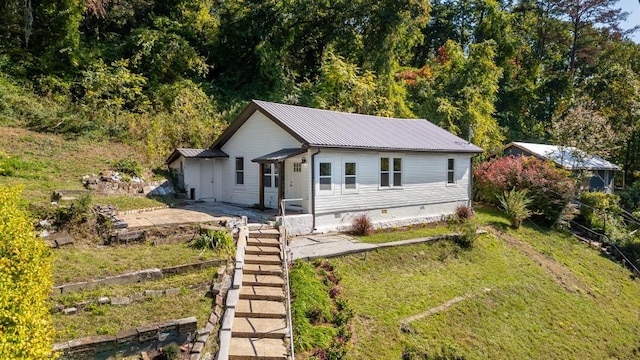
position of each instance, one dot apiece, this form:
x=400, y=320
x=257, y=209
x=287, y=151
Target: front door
x=293, y=184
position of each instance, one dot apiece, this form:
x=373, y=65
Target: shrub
x=464, y=212
x=25, y=284
x=171, y=351
x=515, y=204
x=594, y=206
x=214, y=240
x=468, y=235
x=549, y=188
x=77, y=212
x=128, y=166
x=362, y=225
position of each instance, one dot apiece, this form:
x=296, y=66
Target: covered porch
x=284, y=176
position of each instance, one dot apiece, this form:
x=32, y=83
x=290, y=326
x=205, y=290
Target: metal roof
x=565, y=156
x=279, y=155
x=333, y=129
x=195, y=153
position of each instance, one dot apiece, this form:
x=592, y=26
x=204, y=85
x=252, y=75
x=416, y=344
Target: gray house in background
x=572, y=159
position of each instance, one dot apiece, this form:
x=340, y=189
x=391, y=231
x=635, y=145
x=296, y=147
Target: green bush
x=468, y=234
x=128, y=166
x=25, y=284
x=171, y=351
x=594, y=206
x=515, y=204
x=214, y=240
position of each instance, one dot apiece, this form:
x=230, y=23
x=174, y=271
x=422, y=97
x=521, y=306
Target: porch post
x=280, y=185
x=261, y=185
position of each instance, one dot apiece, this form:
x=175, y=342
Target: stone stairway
x=260, y=325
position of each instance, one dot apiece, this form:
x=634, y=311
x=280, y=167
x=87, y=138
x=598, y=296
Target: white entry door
x=206, y=180
x=293, y=184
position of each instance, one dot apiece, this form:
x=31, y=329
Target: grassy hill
x=527, y=294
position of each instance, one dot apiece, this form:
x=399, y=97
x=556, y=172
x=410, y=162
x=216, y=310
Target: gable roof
x=333, y=129
x=565, y=156
x=195, y=153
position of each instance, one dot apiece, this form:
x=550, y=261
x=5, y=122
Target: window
x=325, y=176
x=297, y=167
x=390, y=174
x=270, y=176
x=350, y=175
x=239, y=171
x=451, y=179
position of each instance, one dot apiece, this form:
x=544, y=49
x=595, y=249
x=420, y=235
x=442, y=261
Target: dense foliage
x=549, y=188
x=25, y=284
x=164, y=73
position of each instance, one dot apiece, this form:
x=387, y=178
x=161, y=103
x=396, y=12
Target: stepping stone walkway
x=260, y=326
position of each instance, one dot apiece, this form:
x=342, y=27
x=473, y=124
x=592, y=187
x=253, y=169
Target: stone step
x=263, y=241
x=258, y=269
x=262, y=293
x=262, y=259
x=262, y=280
x=264, y=233
x=260, y=309
x=255, y=348
x=262, y=250
x=259, y=328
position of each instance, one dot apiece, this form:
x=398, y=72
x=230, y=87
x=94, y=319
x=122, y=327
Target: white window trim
x=455, y=181
x=333, y=177
x=273, y=174
x=344, y=175
x=391, y=172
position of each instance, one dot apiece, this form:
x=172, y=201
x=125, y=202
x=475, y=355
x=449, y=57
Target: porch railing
x=285, y=265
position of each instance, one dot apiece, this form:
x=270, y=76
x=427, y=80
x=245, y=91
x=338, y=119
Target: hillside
x=528, y=294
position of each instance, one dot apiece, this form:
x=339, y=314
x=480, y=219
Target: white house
x=331, y=166
x=569, y=158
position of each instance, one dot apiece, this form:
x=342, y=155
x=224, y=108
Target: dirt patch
x=560, y=273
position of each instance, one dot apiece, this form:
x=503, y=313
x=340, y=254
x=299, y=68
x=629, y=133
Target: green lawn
x=414, y=233
x=527, y=313
x=80, y=263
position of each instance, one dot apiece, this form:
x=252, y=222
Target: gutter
x=313, y=190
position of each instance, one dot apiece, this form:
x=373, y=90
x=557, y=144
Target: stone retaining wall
x=135, y=277
x=129, y=341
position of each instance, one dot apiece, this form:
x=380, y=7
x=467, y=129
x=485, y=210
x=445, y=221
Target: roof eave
x=389, y=149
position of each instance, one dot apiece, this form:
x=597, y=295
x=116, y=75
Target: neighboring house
x=572, y=159
x=330, y=167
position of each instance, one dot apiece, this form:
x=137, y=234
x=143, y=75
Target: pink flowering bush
x=549, y=187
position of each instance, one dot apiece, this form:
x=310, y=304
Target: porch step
x=262, y=293
x=260, y=309
x=262, y=280
x=262, y=250
x=264, y=233
x=257, y=269
x=259, y=328
x=262, y=259
x=256, y=348
x=263, y=241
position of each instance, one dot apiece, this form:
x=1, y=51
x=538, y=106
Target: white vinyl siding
x=421, y=175
x=258, y=136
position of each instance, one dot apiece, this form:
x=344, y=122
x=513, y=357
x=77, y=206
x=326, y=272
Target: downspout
x=313, y=190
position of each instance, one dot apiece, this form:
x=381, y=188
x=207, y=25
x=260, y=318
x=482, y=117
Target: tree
x=25, y=284
x=458, y=92
x=586, y=131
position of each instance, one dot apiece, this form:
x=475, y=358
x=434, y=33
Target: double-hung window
x=350, y=180
x=239, y=171
x=451, y=174
x=390, y=172
x=324, y=176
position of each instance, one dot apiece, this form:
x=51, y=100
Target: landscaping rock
x=120, y=301
x=197, y=347
x=172, y=291
x=153, y=293
x=70, y=311
x=103, y=300
x=61, y=239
